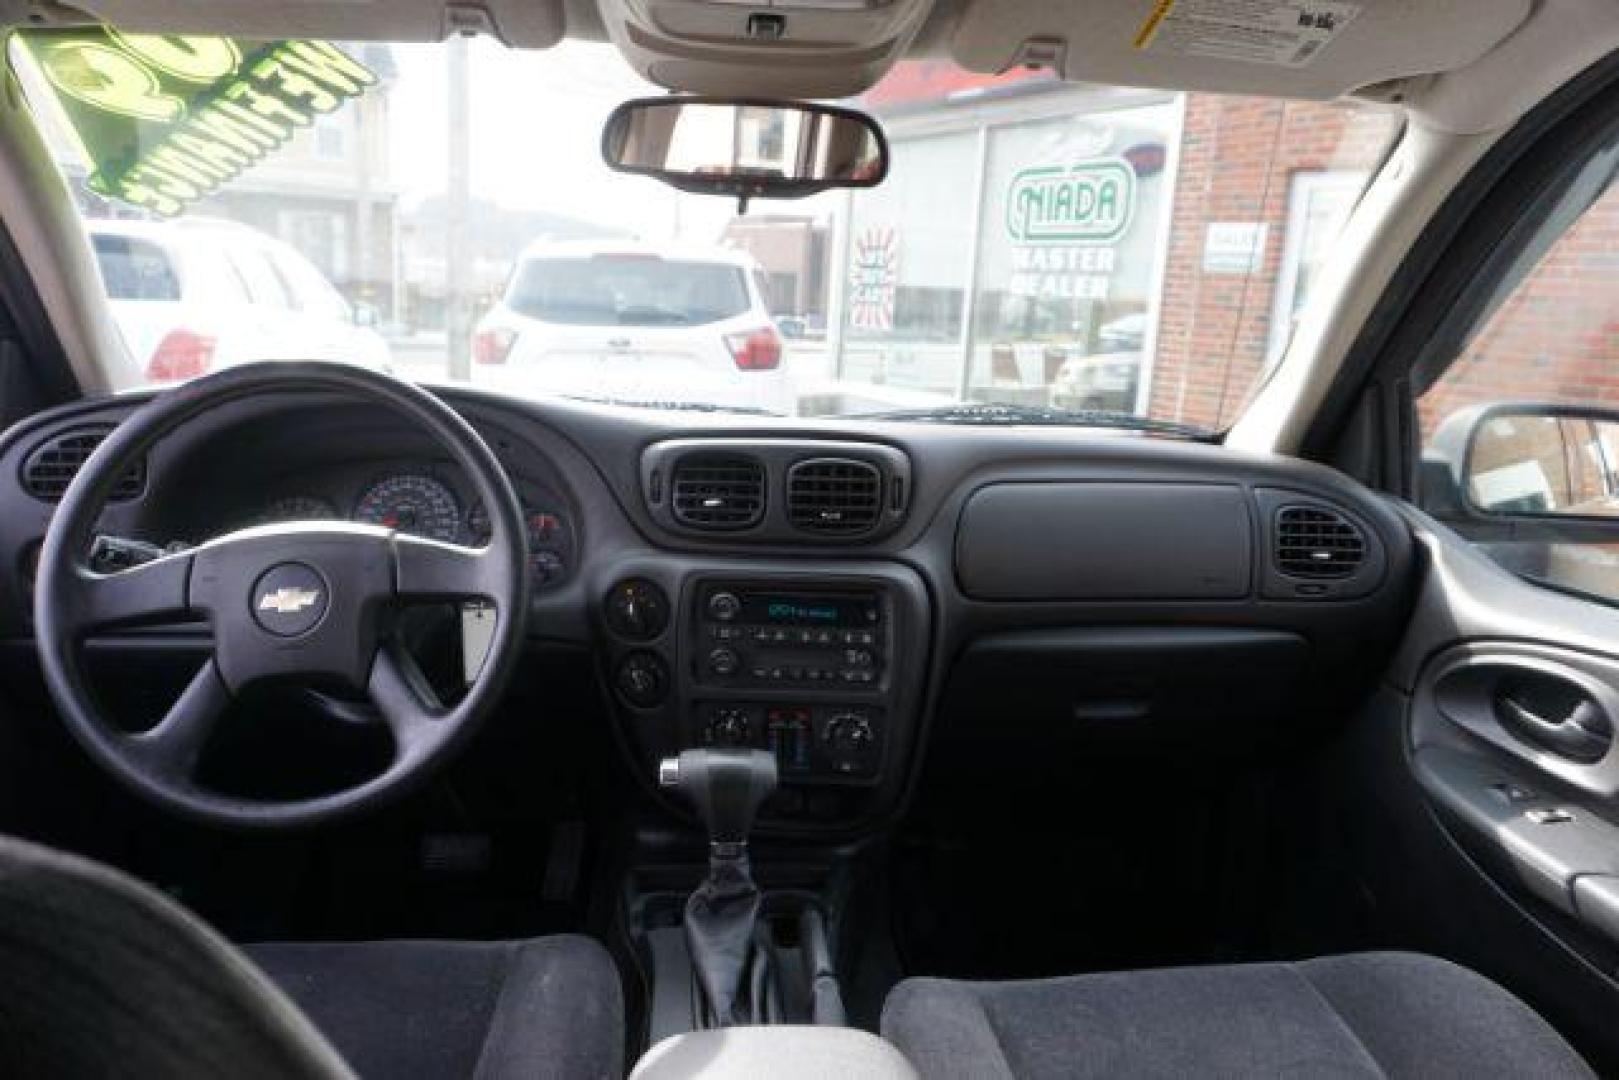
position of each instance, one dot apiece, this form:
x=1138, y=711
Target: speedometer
x=414, y=504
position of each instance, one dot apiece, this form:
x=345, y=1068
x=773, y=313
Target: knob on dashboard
x=724, y=662
x=643, y=679
x=637, y=609
x=724, y=606
x=849, y=733
x=728, y=727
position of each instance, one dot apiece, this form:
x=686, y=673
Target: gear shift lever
x=726, y=788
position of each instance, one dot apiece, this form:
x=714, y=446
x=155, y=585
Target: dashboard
x=845, y=596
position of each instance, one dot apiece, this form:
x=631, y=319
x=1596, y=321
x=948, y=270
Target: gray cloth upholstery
x=1376, y=1014
x=101, y=976
x=545, y=1008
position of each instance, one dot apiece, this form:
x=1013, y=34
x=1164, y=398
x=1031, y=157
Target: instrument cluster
x=422, y=504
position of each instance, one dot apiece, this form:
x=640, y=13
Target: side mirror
x=745, y=149
x=1534, y=461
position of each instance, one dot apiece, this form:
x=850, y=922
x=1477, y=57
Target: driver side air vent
x=1316, y=542
x=53, y=464
x=717, y=492
x=834, y=496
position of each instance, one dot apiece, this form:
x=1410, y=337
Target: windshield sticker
x=1286, y=34
x=164, y=119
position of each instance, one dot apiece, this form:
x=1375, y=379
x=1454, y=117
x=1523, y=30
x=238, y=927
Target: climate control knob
x=728, y=727
x=849, y=734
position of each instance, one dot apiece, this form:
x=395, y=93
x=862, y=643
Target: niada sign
x=1089, y=202
x=164, y=119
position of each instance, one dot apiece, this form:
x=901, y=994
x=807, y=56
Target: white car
x=195, y=295
x=1104, y=381
x=637, y=324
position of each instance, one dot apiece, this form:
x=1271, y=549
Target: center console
x=824, y=671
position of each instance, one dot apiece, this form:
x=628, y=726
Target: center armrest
x=781, y=1053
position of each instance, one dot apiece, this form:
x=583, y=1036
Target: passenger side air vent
x=717, y=492
x=1317, y=542
x=53, y=464
x=834, y=496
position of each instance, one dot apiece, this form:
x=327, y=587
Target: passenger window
x=1520, y=432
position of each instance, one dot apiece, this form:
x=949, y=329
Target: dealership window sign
x=1091, y=202
x=165, y=119
x=1063, y=221
x=874, y=278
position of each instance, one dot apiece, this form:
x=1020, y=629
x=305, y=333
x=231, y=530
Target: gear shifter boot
x=720, y=919
x=726, y=787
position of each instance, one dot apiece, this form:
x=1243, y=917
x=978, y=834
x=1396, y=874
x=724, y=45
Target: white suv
x=196, y=295
x=638, y=324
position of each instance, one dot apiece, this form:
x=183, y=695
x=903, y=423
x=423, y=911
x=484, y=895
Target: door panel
x=1505, y=697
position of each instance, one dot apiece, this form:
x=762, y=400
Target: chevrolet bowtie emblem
x=288, y=601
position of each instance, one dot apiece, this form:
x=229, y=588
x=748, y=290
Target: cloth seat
x=1367, y=1015
x=101, y=976
x=550, y=1007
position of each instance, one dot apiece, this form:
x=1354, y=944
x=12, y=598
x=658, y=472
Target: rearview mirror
x=1535, y=460
x=745, y=149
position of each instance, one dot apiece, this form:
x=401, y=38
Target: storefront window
x=908, y=272
x=1089, y=249
x=1069, y=250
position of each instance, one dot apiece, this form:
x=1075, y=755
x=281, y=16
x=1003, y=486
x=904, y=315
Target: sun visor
x=533, y=24
x=1291, y=48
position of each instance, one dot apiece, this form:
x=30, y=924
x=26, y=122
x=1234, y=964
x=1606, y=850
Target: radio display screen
x=773, y=609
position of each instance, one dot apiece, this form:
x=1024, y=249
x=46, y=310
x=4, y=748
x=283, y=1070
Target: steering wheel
x=305, y=601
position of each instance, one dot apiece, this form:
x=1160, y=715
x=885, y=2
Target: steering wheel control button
x=637, y=610
x=290, y=599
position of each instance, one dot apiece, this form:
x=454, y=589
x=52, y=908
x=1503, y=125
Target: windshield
x=442, y=211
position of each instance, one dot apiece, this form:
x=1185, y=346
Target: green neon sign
x=165, y=119
x=1088, y=202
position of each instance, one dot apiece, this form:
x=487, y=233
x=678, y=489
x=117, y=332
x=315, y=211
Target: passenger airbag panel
x=1106, y=541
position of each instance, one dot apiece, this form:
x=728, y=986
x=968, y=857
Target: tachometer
x=414, y=504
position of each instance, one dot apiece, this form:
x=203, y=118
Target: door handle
x=1583, y=734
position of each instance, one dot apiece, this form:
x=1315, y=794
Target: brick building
x=1012, y=283
x=1293, y=169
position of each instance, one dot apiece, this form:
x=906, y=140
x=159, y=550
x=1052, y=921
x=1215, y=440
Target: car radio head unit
x=755, y=636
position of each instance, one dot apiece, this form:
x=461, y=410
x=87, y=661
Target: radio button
x=724, y=606
x=724, y=662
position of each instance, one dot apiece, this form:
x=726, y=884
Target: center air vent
x=718, y=491
x=1315, y=542
x=53, y=464
x=835, y=496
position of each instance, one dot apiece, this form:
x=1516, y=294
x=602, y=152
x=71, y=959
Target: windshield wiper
x=989, y=414
x=673, y=406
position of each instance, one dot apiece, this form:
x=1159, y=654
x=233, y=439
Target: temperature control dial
x=728, y=727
